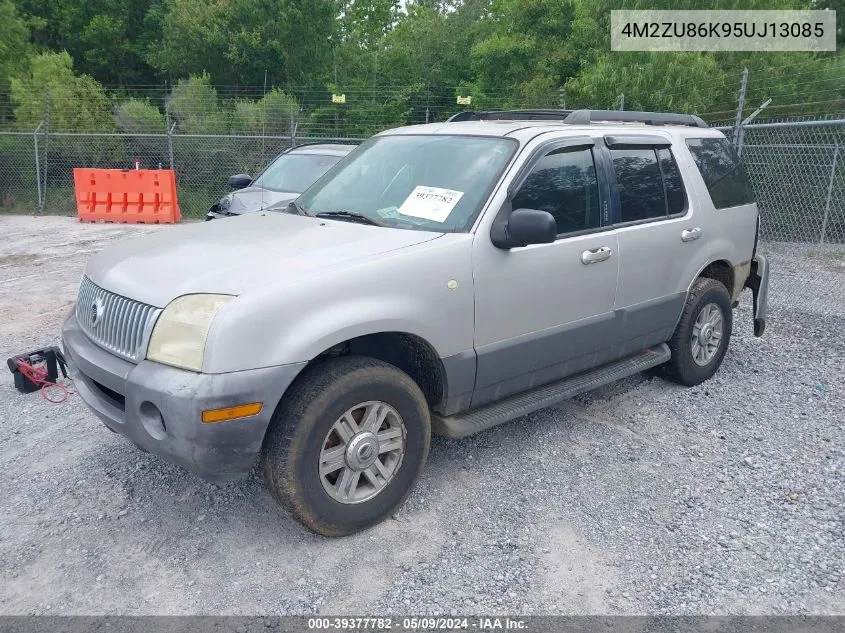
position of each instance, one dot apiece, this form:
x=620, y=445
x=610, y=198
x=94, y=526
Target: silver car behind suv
x=290, y=173
x=444, y=278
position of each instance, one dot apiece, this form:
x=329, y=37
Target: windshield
x=429, y=183
x=294, y=172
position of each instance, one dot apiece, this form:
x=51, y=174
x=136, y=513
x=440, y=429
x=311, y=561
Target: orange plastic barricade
x=130, y=196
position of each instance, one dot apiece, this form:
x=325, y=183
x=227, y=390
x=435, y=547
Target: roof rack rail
x=512, y=115
x=581, y=117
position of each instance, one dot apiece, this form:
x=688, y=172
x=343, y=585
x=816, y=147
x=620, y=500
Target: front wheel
x=702, y=335
x=347, y=444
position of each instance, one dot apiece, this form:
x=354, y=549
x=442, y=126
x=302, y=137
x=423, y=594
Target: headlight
x=225, y=202
x=178, y=338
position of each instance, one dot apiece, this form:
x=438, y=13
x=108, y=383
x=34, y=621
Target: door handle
x=691, y=234
x=595, y=255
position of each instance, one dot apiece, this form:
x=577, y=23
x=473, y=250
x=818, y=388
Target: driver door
x=545, y=311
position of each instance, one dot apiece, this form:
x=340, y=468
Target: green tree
x=194, y=106
x=139, y=116
x=681, y=82
x=106, y=38
x=14, y=52
x=706, y=83
x=527, y=49
x=275, y=114
x=839, y=7
x=397, y=60
x=49, y=88
x=14, y=42
x=357, y=44
x=431, y=46
x=236, y=41
x=363, y=23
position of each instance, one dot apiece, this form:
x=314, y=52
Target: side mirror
x=524, y=227
x=239, y=181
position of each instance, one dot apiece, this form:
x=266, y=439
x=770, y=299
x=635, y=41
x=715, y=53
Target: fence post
x=48, y=108
x=738, y=126
x=38, y=165
x=170, y=143
x=622, y=101
x=829, y=193
x=168, y=128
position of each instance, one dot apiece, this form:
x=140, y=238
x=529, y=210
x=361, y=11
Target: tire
x=309, y=427
x=692, y=364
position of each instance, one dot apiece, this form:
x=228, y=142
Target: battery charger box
x=42, y=358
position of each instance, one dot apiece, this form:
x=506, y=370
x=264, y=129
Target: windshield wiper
x=350, y=216
x=300, y=210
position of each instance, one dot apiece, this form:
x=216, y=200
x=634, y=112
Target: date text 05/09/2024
x=417, y=624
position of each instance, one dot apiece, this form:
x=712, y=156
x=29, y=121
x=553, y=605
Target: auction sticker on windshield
x=430, y=203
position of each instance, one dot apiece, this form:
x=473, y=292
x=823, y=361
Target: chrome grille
x=120, y=325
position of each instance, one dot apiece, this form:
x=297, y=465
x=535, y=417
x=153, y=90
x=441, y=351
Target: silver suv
x=442, y=278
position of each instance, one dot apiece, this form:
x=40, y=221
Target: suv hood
x=241, y=253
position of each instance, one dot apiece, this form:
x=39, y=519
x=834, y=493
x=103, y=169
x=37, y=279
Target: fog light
x=152, y=420
x=231, y=413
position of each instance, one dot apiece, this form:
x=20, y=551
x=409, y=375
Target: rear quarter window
x=722, y=171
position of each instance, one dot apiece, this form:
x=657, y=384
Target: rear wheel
x=347, y=444
x=701, y=337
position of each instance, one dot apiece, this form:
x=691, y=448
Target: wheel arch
x=409, y=352
x=719, y=270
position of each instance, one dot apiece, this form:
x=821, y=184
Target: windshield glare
x=295, y=172
x=431, y=182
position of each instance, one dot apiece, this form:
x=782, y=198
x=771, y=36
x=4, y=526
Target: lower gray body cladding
x=537, y=358
x=547, y=395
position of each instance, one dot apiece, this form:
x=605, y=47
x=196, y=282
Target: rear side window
x=722, y=172
x=649, y=183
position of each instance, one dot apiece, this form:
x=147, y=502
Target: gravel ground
x=641, y=497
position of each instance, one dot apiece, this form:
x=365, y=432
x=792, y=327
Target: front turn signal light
x=231, y=413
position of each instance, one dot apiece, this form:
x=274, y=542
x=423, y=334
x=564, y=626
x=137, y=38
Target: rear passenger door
x=658, y=227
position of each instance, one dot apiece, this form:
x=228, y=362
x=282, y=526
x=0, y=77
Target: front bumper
x=159, y=408
x=758, y=281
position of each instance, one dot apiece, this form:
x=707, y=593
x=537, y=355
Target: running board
x=483, y=418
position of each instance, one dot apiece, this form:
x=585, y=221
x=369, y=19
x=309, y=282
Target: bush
x=193, y=105
x=137, y=116
x=275, y=114
x=48, y=88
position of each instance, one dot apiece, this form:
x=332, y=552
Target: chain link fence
x=36, y=170
x=798, y=173
x=798, y=177
x=797, y=169
x=19, y=183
